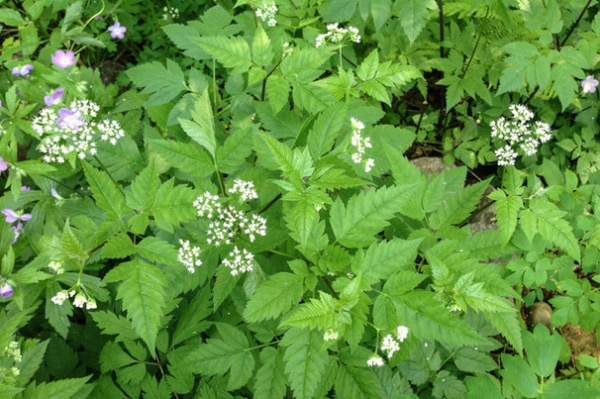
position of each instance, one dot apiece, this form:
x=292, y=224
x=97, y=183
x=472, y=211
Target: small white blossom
x=336, y=34
x=402, y=333
x=390, y=344
x=170, y=12
x=257, y=225
x=239, y=261
x=360, y=144
x=91, y=304
x=506, y=155
x=207, y=204
x=13, y=351
x=245, y=189
x=375, y=360
x=57, y=267
x=60, y=297
x=79, y=300
x=189, y=256
x=267, y=13
x=331, y=335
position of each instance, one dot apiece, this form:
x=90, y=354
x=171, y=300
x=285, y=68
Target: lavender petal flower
x=3, y=165
x=63, y=59
x=6, y=290
x=11, y=216
x=589, y=84
x=23, y=70
x=69, y=119
x=55, y=97
x=117, y=31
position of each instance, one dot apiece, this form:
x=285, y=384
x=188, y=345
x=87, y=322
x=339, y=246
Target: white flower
x=91, y=304
x=390, y=344
x=189, y=256
x=331, y=335
x=506, y=155
x=57, y=267
x=402, y=333
x=207, y=204
x=375, y=360
x=60, y=297
x=267, y=13
x=79, y=300
x=337, y=34
x=239, y=261
x=245, y=189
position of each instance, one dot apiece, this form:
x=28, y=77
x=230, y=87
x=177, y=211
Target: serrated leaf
x=142, y=191
x=143, y=293
x=157, y=250
x=507, y=209
x=366, y=214
x=553, y=227
x=508, y=325
x=181, y=35
x=118, y=246
x=368, y=68
x=325, y=130
x=473, y=361
x=278, y=91
x=354, y=382
x=164, y=89
x=274, y=297
x=429, y=319
x=319, y=313
x=192, y=321
x=270, y=380
x=262, y=54
x=201, y=129
x=301, y=218
x=235, y=150
x=188, y=157
x=105, y=192
x=61, y=389
x=173, y=205
x=305, y=361
x=384, y=259
x=414, y=17
x=457, y=208
x=518, y=373
x=232, y=52
x=31, y=360
x=111, y=324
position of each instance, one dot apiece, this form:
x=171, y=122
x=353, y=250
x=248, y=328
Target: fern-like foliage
x=105, y=192
x=366, y=214
x=385, y=258
x=318, y=313
x=507, y=210
x=553, y=228
x=143, y=293
x=305, y=361
x=274, y=297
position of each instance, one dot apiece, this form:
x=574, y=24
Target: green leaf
x=235, y=150
x=366, y=214
x=483, y=386
x=518, y=373
x=507, y=209
x=31, y=360
x=274, y=297
x=270, y=379
x=157, y=250
x=448, y=386
x=553, y=227
x=278, y=91
x=164, y=84
x=473, y=361
x=232, y=52
x=11, y=17
x=457, y=208
x=118, y=246
x=302, y=217
x=429, y=320
x=320, y=313
x=191, y=322
x=261, y=47
x=142, y=191
x=414, y=16
x=111, y=324
x=173, y=205
x=305, y=360
x=187, y=157
x=325, y=130
x=105, y=192
x=368, y=68
x=143, y=295
x=543, y=350
x=62, y=389
x=339, y=10
x=569, y=389
x=354, y=382
x=508, y=325
x=202, y=129
x=384, y=259
x=380, y=12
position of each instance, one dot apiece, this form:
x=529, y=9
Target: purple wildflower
x=23, y=70
x=12, y=216
x=3, y=165
x=63, y=59
x=17, y=230
x=55, y=194
x=589, y=84
x=25, y=188
x=69, y=119
x=6, y=290
x=117, y=31
x=54, y=97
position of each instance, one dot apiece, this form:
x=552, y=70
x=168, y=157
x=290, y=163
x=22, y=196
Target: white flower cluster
x=57, y=267
x=331, y=335
x=226, y=223
x=171, y=12
x=245, y=189
x=239, y=261
x=390, y=345
x=267, y=13
x=79, y=301
x=73, y=130
x=518, y=134
x=360, y=143
x=189, y=256
x=336, y=35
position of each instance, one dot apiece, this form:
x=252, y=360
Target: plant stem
x=575, y=23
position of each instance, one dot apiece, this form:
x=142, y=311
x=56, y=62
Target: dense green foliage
x=242, y=216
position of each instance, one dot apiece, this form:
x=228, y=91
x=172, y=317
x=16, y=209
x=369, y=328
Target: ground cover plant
x=236, y=199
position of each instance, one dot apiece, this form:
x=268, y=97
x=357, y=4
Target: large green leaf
x=164, y=84
x=274, y=297
x=384, y=259
x=105, y=191
x=270, y=378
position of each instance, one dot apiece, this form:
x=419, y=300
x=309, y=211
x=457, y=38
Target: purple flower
x=6, y=290
x=55, y=194
x=117, y=31
x=589, y=84
x=69, y=119
x=25, y=188
x=12, y=216
x=23, y=70
x=54, y=97
x=3, y=165
x=17, y=230
x=63, y=59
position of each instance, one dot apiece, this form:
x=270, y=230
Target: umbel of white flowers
x=518, y=134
